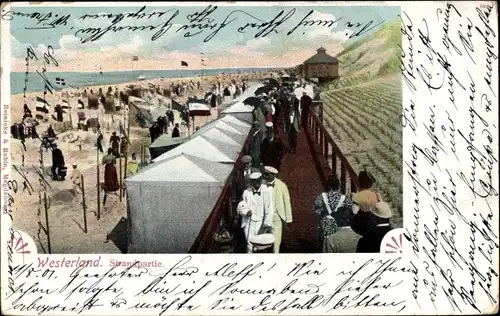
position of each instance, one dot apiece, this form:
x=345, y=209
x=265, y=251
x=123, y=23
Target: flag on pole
x=60, y=81
x=65, y=105
x=41, y=103
x=183, y=63
x=122, y=131
x=42, y=106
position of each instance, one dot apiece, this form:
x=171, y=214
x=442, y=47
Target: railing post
x=321, y=112
x=325, y=143
x=334, y=161
x=321, y=136
x=84, y=205
x=343, y=180
x=354, y=189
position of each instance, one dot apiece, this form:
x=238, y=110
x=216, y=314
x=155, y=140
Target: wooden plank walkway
x=300, y=173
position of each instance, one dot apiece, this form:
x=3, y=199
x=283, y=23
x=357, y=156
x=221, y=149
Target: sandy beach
x=65, y=211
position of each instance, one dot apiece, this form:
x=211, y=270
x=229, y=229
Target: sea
x=82, y=79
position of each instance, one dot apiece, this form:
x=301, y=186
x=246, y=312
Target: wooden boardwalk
x=300, y=173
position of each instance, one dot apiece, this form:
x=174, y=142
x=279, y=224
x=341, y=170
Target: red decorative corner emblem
x=393, y=242
x=22, y=244
x=19, y=245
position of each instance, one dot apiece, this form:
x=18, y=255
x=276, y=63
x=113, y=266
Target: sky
x=114, y=51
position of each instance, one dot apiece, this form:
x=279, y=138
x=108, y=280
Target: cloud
x=114, y=51
x=319, y=34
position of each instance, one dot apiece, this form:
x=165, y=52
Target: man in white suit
x=281, y=203
x=256, y=209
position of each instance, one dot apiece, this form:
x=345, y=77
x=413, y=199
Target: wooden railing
x=322, y=147
x=320, y=142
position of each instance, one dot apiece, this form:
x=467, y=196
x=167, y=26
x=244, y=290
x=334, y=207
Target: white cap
x=271, y=170
x=269, y=124
x=255, y=175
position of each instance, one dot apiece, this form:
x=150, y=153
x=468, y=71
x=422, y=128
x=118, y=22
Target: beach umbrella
x=265, y=89
x=273, y=82
x=253, y=101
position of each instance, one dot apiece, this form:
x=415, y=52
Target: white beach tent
x=239, y=107
x=236, y=132
x=237, y=137
x=170, y=202
x=216, y=134
x=233, y=120
x=208, y=149
x=241, y=111
x=225, y=126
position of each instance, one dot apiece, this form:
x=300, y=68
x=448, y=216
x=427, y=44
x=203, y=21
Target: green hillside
x=362, y=108
x=374, y=56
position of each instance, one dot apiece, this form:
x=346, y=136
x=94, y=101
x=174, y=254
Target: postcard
x=241, y=158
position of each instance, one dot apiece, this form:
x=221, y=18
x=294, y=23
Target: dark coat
x=50, y=132
x=295, y=124
x=59, y=113
x=152, y=133
x=213, y=101
x=254, y=144
x=240, y=183
x=272, y=152
x=306, y=103
x=115, y=143
x=365, y=224
x=176, y=132
x=57, y=157
x=13, y=131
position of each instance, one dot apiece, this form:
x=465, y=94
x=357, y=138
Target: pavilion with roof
x=321, y=66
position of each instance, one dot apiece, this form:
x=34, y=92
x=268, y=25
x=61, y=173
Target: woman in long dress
x=110, y=176
x=335, y=214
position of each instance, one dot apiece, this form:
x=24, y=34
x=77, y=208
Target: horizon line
x=128, y=70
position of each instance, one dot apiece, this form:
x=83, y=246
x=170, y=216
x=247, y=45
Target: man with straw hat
x=281, y=203
x=256, y=209
x=272, y=149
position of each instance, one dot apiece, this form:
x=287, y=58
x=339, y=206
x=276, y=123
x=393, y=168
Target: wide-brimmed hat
x=382, y=210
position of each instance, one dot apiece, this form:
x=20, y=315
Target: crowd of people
x=345, y=224
x=262, y=199
x=162, y=124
